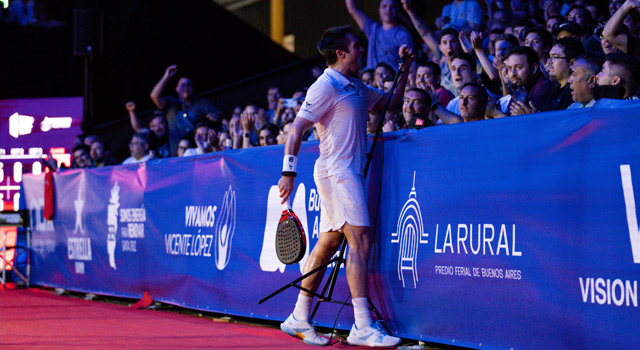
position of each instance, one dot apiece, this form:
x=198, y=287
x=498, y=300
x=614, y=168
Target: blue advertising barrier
x=513, y=233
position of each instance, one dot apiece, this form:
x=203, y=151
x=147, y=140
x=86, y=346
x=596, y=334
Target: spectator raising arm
x=156, y=93
x=136, y=123
x=487, y=65
x=356, y=13
x=612, y=31
x=421, y=27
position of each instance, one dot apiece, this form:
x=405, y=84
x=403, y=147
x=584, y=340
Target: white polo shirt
x=338, y=107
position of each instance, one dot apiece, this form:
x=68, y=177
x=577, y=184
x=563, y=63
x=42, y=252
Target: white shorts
x=342, y=201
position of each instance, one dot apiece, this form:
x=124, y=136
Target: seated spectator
x=384, y=40
x=558, y=65
x=569, y=29
x=267, y=135
x=620, y=69
x=100, y=154
x=81, y=157
x=383, y=73
x=584, y=80
x=367, y=76
x=156, y=126
x=286, y=110
x=387, y=86
x=632, y=22
x=274, y=94
x=520, y=27
x=88, y=139
x=224, y=141
x=183, y=112
x=608, y=47
x=449, y=46
x=139, y=149
x=473, y=102
x=540, y=41
x=493, y=66
x=416, y=108
x=251, y=120
x=206, y=140
x=283, y=134
x=463, y=71
x=428, y=79
x=553, y=22
x=530, y=88
x=185, y=143
x=582, y=16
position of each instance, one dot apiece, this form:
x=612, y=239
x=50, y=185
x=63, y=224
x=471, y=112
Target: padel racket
x=290, y=238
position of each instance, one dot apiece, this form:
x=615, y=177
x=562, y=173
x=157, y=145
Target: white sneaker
x=371, y=335
x=302, y=330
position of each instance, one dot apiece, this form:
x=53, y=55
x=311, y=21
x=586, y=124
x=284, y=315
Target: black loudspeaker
x=87, y=32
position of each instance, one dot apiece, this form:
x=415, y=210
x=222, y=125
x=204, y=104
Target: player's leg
x=350, y=190
x=297, y=324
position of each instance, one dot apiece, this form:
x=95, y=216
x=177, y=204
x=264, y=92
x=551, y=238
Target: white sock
x=361, y=312
x=303, y=308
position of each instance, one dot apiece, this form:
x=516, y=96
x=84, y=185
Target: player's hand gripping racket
x=290, y=239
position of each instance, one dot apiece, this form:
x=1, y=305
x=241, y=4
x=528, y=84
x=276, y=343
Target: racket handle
x=287, y=204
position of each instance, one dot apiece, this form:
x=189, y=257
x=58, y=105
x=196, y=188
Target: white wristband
x=289, y=163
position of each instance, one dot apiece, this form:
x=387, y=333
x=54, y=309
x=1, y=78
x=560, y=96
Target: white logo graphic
x=20, y=125
x=79, y=204
x=630, y=204
x=409, y=233
x=112, y=222
x=225, y=227
x=268, y=257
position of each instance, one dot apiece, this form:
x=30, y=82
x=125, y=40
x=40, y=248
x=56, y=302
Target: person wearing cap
x=608, y=47
x=568, y=29
x=613, y=31
x=384, y=39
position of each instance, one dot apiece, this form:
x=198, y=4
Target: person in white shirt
x=139, y=149
x=337, y=103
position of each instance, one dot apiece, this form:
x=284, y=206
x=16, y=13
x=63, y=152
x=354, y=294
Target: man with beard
x=337, y=104
x=530, y=88
x=100, y=154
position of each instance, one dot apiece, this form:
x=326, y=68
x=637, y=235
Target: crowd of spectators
x=477, y=61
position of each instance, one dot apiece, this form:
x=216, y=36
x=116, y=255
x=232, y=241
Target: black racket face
x=290, y=245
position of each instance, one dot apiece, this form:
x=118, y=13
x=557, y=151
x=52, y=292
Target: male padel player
x=337, y=103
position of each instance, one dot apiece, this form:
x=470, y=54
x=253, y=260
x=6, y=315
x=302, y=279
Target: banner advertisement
x=515, y=233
